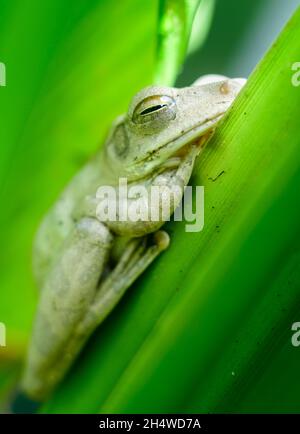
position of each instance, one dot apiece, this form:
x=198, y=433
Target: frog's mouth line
x=178, y=147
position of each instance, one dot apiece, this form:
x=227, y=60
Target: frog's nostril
x=233, y=85
x=225, y=88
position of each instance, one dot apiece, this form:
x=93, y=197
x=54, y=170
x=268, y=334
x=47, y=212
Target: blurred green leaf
x=201, y=25
x=9, y=373
x=190, y=331
x=174, y=28
x=70, y=72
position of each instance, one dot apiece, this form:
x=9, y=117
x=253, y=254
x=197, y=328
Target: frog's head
x=162, y=121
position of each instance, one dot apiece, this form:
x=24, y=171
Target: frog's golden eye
x=155, y=108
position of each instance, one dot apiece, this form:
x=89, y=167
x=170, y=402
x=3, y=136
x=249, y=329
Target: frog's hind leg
x=68, y=292
x=136, y=257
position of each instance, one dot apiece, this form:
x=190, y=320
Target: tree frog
x=83, y=265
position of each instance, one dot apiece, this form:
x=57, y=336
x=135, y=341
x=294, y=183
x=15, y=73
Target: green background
x=72, y=67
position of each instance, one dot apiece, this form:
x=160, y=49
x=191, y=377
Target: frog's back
x=59, y=221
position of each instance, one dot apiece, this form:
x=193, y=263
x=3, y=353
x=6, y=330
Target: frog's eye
x=154, y=108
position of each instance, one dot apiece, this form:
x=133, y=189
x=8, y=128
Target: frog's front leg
x=68, y=292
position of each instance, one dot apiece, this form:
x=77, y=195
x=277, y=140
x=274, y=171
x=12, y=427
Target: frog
x=84, y=265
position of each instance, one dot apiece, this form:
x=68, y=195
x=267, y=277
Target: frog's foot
x=137, y=256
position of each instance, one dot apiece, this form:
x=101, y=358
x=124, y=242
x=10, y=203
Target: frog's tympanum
x=84, y=265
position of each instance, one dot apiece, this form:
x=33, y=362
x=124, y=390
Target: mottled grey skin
x=155, y=143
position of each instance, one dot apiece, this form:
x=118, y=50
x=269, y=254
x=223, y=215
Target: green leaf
x=201, y=25
x=9, y=375
x=174, y=28
x=70, y=72
x=192, y=330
